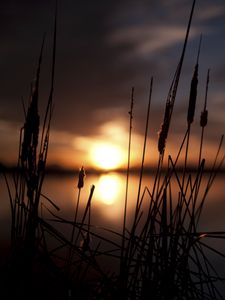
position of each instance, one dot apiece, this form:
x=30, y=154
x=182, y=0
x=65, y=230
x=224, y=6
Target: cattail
x=193, y=91
x=204, y=113
x=31, y=126
x=81, y=178
x=204, y=118
x=31, y=131
x=173, y=91
x=165, y=128
x=193, y=96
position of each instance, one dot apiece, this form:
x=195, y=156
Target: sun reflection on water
x=108, y=188
x=109, y=196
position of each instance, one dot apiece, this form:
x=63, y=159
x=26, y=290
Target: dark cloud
x=103, y=49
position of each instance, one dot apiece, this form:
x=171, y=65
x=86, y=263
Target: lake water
x=108, y=199
x=108, y=204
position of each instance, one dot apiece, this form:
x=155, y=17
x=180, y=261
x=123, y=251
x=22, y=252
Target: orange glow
x=108, y=188
x=110, y=196
x=107, y=156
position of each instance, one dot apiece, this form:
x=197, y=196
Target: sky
x=104, y=48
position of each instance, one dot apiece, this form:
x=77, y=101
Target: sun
x=107, y=156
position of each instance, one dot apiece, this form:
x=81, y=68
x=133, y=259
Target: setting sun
x=107, y=156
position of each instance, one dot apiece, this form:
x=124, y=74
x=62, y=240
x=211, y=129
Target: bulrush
x=204, y=113
x=163, y=133
x=204, y=118
x=80, y=185
x=81, y=178
x=193, y=96
x=193, y=91
x=31, y=126
x=173, y=91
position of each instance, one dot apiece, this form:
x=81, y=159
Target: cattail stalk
x=131, y=245
x=127, y=184
x=191, y=107
x=173, y=91
x=144, y=147
x=193, y=90
x=48, y=114
x=80, y=185
x=204, y=117
x=28, y=163
x=87, y=209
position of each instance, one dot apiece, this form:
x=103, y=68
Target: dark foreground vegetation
x=162, y=255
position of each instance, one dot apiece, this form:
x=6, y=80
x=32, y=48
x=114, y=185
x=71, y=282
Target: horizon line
x=57, y=169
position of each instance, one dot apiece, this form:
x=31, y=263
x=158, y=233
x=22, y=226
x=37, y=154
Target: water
x=108, y=200
x=109, y=196
x=107, y=208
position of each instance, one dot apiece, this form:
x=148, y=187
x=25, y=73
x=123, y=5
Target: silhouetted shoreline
x=58, y=170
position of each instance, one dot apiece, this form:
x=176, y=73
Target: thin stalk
x=211, y=179
x=191, y=108
x=186, y=155
x=144, y=146
x=69, y=255
x=75, y=216
x=142, y=168
x=127, y=178
x=49, y=104
x=173, y=91
x=85, y=212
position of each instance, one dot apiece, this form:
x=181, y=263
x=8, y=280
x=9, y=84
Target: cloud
x=9, y=141
x=211, y=11
x=145, y=40
x=114, y=134
x=103, y=49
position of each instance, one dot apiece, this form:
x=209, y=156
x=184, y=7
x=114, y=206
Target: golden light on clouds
x=107, y=150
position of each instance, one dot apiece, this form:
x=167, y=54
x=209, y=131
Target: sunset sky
x=103, y=49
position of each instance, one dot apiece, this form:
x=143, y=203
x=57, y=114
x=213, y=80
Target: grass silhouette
x=162, y=255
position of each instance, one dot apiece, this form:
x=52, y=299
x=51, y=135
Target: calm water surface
x=108, y=200
x=108, y=203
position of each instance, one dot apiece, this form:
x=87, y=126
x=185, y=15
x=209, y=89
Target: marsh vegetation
x=159, y=254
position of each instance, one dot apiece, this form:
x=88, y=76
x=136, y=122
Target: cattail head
x=132, y=103
x=163, y=133
x=204, y=114
x=31, y=132
x=31, y=126
x=204, y=118
x=193, y=96
x=162, y=138
x=81, y=178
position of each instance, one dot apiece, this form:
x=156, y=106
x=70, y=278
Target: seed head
x=81, y=178
x=193, y=96
x=204, y=114
x=204, y=118
x=163, y=133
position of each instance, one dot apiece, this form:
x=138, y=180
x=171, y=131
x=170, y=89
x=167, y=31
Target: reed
x=162, y=255
x=80, y=185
